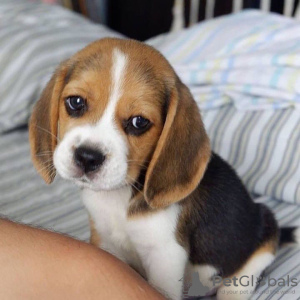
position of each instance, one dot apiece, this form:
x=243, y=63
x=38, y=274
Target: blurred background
x=143, y=19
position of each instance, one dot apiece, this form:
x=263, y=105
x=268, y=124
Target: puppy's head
x=116, y=114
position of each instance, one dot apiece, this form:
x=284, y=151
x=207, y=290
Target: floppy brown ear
x=43, y=125
x=182, y=152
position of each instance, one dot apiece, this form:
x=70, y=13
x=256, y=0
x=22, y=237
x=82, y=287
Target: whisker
x=53, y=172
x=138, y=162
x=47, y=131
x=44, y=154
x=132, y=160
x=133, y=185
x=48, y=151
x=140, y=165
x=48, y=167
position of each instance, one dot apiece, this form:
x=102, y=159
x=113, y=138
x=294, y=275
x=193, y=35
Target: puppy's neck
x=119, y=194
x=98, y=200
x=122, y=200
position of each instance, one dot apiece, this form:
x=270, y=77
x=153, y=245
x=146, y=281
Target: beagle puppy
x=117, y=121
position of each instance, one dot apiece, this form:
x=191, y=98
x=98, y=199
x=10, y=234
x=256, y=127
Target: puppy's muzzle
x=88, y=159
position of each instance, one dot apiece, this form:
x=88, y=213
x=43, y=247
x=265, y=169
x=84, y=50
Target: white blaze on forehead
x=105, y=134
x=119, y=62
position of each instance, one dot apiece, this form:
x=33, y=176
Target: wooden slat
x=297, y=12
x=194, y=11
x=265, y=5
x=288, y=8
x=209, y=10
x=178, y=15
x=237, y=5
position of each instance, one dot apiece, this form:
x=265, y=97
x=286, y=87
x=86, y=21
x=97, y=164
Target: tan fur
x=139, y=207
x=131, y=104
x=267, y=247
x=181, y=155
x=43, y=125
x=175, y=152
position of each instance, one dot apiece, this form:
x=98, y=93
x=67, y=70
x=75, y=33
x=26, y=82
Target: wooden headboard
x=291, y=8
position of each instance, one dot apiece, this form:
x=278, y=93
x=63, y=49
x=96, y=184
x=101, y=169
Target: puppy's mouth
x=80, y=176
x=82, y=179
x=102, y=179
x=95, y=180
x=86, y=183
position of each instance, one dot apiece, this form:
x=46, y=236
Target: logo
x=253, y=281
x=246, y=285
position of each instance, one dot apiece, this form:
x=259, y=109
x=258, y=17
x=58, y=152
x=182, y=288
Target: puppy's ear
x=43, y=125
x=182, y=152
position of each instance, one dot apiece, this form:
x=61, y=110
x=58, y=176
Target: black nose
x=88, y=159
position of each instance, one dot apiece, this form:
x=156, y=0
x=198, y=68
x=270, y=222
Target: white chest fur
x=108, y=209
x=148, y=243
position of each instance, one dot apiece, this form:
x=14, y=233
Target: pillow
x=262, y=146
x=255, y=67
x=244, y=73
x=35, y=38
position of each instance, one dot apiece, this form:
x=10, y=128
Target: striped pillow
x=263, y=146
x=255, y=67
x=246, y=82
x=35, y=38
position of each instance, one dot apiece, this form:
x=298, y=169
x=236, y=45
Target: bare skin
x=38, y=264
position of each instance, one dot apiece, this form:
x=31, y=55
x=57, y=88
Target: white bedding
x=250, y=59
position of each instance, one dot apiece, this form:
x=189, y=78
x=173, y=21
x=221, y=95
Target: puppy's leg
x=165, y=266
x=163, y=258
x=243, y=287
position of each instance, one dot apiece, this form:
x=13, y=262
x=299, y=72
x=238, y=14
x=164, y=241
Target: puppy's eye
x=75, y=106
x=76, y=102
x=136, y=125
x=139, y=122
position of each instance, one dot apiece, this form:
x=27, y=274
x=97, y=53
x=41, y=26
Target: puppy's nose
x=88, y=159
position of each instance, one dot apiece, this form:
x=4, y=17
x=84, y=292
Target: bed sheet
x=24, y=197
